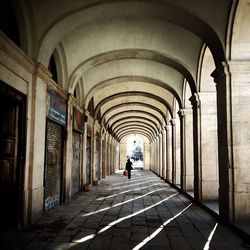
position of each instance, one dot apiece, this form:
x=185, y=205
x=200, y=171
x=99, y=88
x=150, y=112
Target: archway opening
x=135, y=145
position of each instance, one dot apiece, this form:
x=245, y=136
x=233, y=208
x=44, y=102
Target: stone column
x=182, y=149
x=177, y=152
x=225, y=153
x=68, y=150
x=123, y=155
x=169, y=152
x=209, y=146
x=157, y=154
x=196, y=140
x=152, y=158
x=164, y=153
x=188, y=158
x=233, y=132
x=147, y=156
x=173, y=146
x=107, y=154
x=104, y=155
x=160, y=155
x=84, y=149
x=240, y=84
x=36, y=132
x=101, y=152
x=93, y=162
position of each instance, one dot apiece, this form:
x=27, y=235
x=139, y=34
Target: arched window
x=53, y=69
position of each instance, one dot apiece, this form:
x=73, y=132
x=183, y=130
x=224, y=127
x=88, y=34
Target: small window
x=52, y=68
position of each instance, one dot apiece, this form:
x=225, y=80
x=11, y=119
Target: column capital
x=172, y=122
x=220, y=72
x=195, y=101
x=181, y=113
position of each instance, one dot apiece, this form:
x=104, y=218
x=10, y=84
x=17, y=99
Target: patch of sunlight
x=91, y=236
x=113, y=195
x=156, y=232
x=130, y=185
x=121, y=203
x=206, y=247
x=134, y=180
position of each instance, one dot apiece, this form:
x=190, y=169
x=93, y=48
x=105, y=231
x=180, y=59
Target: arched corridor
x=79, y=78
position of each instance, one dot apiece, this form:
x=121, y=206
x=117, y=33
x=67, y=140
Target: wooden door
x=9, y=161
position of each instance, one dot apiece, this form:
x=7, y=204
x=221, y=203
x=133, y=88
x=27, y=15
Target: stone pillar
x=225, y=153
x=196, y=140
x=173, y=151
x=209, y=146
x=240, y=80
x=84, y=149
x=101, y=152
x=104, y=155
x=182, y=149
x=123, y=155
x=157, y=154
x=233, y=143
x=34, y=173
x=152, y=158
x=147, y=156
x=153, y=164
x=177, y=152
x=164, y=153
x=93, y=162
x=160, y=155
x=68, y=150
x=187, y=147
x=169, y=152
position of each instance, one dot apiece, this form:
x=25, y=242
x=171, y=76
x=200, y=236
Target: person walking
x=129, y=167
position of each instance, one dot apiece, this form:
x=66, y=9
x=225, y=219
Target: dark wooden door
x=9, y=163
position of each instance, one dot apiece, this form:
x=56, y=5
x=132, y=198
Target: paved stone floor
x=141, y=213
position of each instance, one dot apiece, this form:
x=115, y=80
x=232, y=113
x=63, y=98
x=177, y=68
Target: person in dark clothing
x=129, y=167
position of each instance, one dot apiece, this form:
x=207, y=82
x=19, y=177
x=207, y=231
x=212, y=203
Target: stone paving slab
x=141, y=213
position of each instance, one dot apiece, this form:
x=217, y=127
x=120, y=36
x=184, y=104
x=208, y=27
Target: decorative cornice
x=74, y=102
x=57, y=89
x=43, y=73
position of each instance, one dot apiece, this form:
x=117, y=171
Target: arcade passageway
x=143, y=213
x=87, y=84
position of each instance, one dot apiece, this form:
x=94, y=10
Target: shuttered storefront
x=53, y=169
x=53, y=166
x=75, y=170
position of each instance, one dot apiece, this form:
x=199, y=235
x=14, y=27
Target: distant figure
x=129, y=167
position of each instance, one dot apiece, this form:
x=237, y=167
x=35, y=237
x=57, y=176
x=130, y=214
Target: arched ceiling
x=131, y=58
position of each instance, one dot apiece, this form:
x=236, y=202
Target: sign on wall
x=56, y=108
x=78, y=121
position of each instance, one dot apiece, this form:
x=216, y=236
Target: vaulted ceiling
x=133, y=59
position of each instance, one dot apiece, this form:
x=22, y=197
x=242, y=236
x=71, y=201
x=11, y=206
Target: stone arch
x=173, y=14
x=239, y=48
x=122, y=54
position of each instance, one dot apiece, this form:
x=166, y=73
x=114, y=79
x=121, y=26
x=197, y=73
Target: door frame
x=20, y=100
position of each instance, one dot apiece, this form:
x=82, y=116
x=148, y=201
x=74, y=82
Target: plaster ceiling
x=130, y=57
